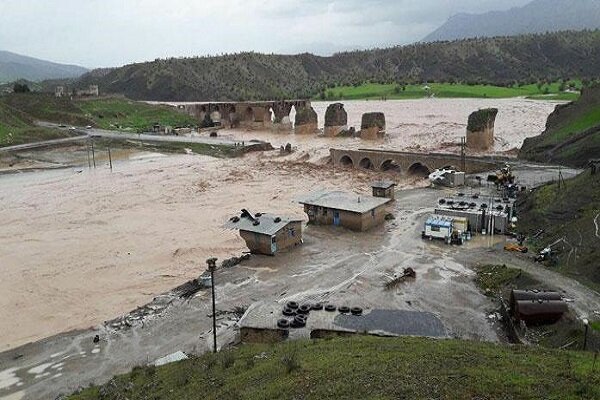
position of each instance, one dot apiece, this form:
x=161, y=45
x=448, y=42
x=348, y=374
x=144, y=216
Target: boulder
x=336, y=119
x=480, y=129
x=306, y=121
x=372, y=125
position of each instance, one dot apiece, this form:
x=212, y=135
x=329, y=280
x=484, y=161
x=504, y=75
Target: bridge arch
x=346, y=161
x=418, y=169
x=366, y=163
x=249, y=114
x=390, y=165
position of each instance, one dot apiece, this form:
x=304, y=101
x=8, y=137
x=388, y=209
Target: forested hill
x=250, y=76
x=538, y=16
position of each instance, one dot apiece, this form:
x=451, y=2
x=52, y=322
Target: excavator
x=502, y=177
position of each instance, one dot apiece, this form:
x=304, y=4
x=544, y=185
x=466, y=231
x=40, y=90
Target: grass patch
x=496, y=280
x=447, y=90
x=367, y=368
x=128, y=115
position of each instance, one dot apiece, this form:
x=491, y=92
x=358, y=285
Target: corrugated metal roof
x=442, y=222
x=344, y=201
x=267, y=223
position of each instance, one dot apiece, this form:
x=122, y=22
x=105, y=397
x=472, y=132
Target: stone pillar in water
x=372, y=126
x=480, y=129
x=336, y=120
x=306, y=121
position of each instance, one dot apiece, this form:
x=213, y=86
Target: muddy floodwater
x=80, y=246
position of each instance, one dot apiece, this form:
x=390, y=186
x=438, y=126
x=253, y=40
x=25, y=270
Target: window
x=373, y=213
x=324, y=212
x=435, y=228
x=273, y=239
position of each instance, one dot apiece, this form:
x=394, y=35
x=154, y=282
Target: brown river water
x=80, y=246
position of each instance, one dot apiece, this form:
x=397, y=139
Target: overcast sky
x=96, y=33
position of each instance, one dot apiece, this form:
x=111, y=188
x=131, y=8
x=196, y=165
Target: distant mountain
x=254, y=76
x=14, y=66
x=539, y=16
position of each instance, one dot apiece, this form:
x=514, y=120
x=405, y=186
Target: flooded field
x=82, y=246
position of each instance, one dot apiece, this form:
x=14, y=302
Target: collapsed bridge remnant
x=245, y=114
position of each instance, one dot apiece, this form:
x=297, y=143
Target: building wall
x=258, y=335
x=288, y=236
x=351, y=220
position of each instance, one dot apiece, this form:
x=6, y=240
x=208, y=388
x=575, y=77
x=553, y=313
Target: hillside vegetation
x=572, y=134
x=569, y=217
x=542, y=91
x=365, y=368
x=18, y=113
x=500, y=61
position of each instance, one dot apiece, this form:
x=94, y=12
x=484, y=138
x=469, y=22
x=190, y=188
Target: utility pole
x=212, y=266
x=93, y=154
x=109, y=159
x=463, y=160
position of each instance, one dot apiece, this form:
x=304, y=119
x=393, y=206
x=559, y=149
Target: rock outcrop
x=372, y=125
x=336, y=120
x=480, y=129
x=306, y=121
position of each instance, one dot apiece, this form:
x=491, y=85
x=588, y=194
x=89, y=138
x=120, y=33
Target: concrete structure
x=336, y=120
x=408, y=163
x=59, y=91
x=91, y=91
x=259, y=324
x=248, y=114
x=384, y=189
x=352, y=211
x=266, y=233
x=447, y=177
x=480, y=129
x=372, y=126
x=483, y=214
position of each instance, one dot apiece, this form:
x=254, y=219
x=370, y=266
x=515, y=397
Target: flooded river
x=82, y=246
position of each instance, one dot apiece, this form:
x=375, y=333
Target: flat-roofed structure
x=267, y=233
x=384, y=189
x=483, y=213
x=350, y=210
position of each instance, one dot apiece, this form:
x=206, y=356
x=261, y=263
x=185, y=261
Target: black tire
x=283, y=323
x=304, y=309
x=317, y=306
x=330, y=307
x=299, y=321
x=288, y=312
x=356, y=311
x=292, y=304
x=344, y=309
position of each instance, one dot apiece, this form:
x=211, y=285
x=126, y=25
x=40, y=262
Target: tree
x=21, y=88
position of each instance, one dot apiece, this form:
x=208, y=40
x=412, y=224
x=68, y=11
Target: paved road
x=117, y=135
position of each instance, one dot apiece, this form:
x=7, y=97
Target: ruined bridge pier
x=252, y=115
x=409, y=163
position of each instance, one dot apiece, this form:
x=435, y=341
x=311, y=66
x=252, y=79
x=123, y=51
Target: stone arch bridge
x=253, y=114
x=410, y=163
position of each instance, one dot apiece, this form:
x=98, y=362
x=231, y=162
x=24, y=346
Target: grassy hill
x=568, y=217
x=15, y=66
x=365, y=368
x=572, y=134
x=391, y=91
x=501, y=61
x=19, y=111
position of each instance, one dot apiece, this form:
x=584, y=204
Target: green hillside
x=567, y=216
x=19, y=111
x=447, y=90
x=365, y=368
x=572, y=134
x=500, y=61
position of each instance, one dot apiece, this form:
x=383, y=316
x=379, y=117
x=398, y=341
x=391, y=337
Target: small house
x=267, y=233
x=383, y=189
x=352, y=211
